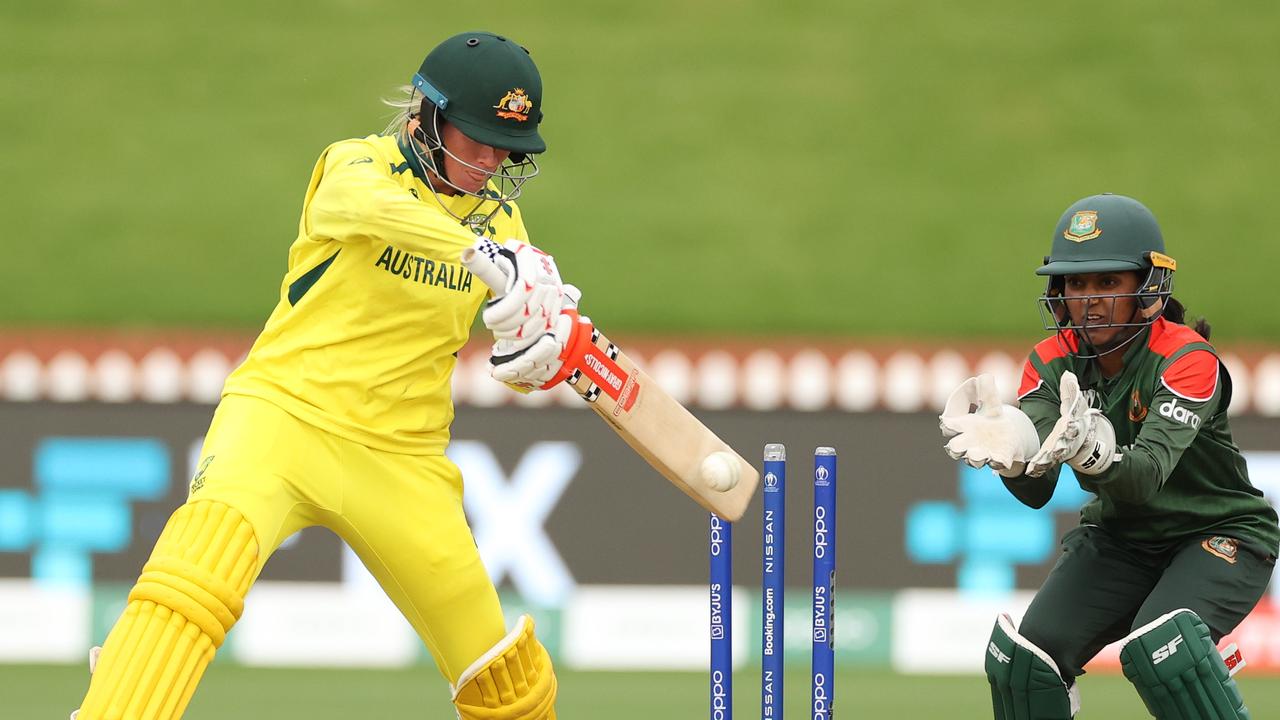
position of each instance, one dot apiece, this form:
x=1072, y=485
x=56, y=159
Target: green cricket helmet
x=488, y=87
x=1107, y=233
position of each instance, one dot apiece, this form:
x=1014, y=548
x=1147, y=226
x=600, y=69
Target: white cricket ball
x=720, y=471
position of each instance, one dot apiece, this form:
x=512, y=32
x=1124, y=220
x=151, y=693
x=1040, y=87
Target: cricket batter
x=1176, y=546
x=340, y=414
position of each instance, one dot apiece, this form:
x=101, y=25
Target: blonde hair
x=406, y=106
x=428, y=145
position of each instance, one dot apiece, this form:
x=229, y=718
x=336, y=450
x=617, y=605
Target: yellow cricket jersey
x=375, y=304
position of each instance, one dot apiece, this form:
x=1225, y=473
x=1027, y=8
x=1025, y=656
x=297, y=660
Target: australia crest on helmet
x=515, y=105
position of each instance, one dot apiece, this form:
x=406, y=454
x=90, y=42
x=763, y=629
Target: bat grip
x=575, y=348
x=477, y=259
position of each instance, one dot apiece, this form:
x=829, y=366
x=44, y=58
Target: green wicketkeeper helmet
x=1107, y=233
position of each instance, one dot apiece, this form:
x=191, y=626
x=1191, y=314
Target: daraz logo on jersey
x=1173, y=412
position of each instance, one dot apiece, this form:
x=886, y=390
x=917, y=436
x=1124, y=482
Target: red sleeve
x=1030, y=379
x=1193, y=376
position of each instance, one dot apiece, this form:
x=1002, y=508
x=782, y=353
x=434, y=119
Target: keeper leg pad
x=1178, y=672
x=190, y=593
x=1025, y=681
x=512, y=681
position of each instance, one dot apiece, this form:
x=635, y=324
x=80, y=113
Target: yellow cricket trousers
x=401, y=514
x=263, y=476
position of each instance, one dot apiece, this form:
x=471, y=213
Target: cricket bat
x=657, y=427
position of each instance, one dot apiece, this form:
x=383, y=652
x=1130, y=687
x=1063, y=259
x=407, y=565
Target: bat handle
x=479, y=260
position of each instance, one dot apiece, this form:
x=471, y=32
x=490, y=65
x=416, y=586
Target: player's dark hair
x=1174, y=311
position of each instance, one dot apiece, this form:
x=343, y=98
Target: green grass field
x=728, y=166
x=258, y=694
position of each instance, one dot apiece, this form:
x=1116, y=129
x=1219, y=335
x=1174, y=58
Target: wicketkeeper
x=1176, y=546
x=340, y=414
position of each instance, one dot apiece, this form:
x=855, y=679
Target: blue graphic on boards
x=84, y=488
x=988, y=531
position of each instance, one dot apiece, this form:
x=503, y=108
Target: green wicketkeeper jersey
x=1180, y=474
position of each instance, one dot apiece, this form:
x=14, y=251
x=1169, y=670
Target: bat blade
x=661, y=430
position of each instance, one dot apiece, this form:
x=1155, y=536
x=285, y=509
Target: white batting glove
x=531, y=367
x=533, y=298
x=1083, y=437
x=984, y=431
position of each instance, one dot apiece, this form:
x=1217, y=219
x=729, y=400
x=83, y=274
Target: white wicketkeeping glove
x=1083, y=437
x=532, y=366
x=984, y=431
x=533, y=298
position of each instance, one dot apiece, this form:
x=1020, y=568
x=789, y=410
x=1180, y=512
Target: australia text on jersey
x=424, y=270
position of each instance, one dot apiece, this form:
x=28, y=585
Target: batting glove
x=532, y=300
x=533, y=366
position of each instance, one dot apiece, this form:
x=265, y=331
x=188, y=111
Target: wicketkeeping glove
x=1083, y=437
x=984, y=431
